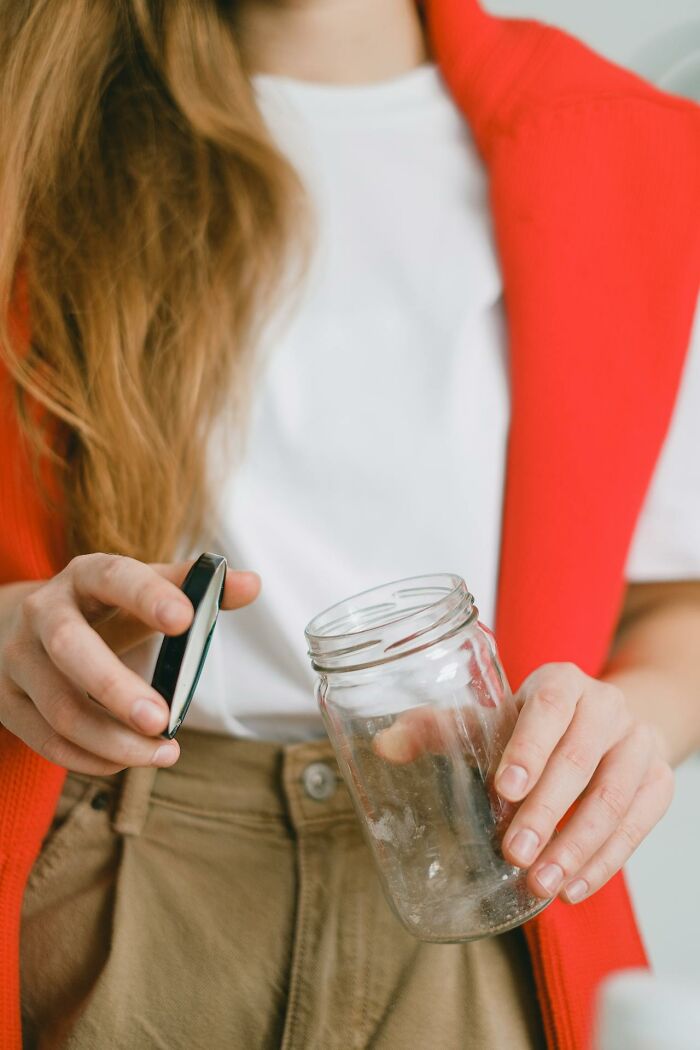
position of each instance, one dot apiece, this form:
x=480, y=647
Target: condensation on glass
x=418, y=709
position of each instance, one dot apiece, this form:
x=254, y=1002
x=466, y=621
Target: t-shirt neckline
x=420, y=84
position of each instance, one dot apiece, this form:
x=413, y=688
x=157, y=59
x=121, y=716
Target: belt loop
x=134, y=798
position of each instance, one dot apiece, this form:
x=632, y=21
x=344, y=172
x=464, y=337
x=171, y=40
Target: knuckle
x=527, y=751
x=126, y=748
x=111, y=569
x=77, y=560
x=65, y=716
x=571, y=855
x=617, y=709
x=613, y=800
x=95, y=567
x=58, y=638
x=554, y=697
x=601, y=872
x=136, y=753
x=54, y=748
x=577, y=757
x=630, y=834
x=146, y=593
x=557, y=676
x=557, y=671
x=109, y=688
x=665, y=779
x=568, y=671
x=31, y=606
x=544, y=815
x=80, y=563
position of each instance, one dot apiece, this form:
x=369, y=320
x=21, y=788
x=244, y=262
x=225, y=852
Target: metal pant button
x=319, y=780
x=100, y=800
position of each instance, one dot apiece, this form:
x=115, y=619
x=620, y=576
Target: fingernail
x=512, y=781
x=550, y=878
x=148, y=716
x=166, y=754
x=171, y=612
x=576, y=891
x=524, y=846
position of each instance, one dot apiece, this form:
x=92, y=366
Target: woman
x=157, y=208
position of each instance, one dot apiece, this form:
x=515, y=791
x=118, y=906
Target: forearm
x=656, y=662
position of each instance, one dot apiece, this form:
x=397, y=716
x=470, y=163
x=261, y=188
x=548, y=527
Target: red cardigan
x=595, y=184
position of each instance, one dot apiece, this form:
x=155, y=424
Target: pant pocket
x=83, y=807
x=66, y=913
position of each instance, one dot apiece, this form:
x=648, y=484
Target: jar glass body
x=418, y=709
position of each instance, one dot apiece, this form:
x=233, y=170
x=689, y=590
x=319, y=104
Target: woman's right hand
x=63, y=689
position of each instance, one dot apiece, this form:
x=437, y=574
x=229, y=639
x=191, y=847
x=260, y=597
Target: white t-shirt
x=377, y=440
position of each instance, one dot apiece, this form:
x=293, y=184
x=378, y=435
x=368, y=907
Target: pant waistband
x=299, y=782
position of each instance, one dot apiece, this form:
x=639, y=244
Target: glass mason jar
x=418, y=710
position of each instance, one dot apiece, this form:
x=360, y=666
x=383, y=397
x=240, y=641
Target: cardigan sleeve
x=666, y=544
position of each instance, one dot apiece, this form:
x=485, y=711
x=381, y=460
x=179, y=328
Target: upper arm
x=642, y=598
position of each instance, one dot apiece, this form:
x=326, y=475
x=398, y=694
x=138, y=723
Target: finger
x=603, y=807
x=435, y=730
x=86, y=660
x=112, y=581
x=413, y=733
x=77, y=718
x=550, y=698
x=240, y=589
x=648, y=807
x=566, y=774
x=121, y=632
x=24, y=720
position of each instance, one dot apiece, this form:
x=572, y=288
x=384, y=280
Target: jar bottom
x=456, y=921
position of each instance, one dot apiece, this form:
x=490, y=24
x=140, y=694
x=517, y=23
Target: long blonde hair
x=152, y=216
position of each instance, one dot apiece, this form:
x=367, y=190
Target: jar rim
x=392, y=625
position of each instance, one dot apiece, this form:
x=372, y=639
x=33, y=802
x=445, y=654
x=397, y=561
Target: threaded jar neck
x=389, y=622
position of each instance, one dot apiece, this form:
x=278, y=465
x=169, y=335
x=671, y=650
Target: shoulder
x=584, y=153
x=568, y=133
x=598, y=137
x=509, y=73
x=561, y=72
x=576, y=115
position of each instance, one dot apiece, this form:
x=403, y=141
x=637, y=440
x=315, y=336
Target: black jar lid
x=181, y=658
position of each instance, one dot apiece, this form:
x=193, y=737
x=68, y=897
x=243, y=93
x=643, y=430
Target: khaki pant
x=232, y=902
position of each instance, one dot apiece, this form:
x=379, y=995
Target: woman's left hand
x=576, y=738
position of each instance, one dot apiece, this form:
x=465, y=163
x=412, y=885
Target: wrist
x=650, y=699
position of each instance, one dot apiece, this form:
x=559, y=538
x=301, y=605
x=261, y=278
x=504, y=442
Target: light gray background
x=661, y=40
x=658, y=38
